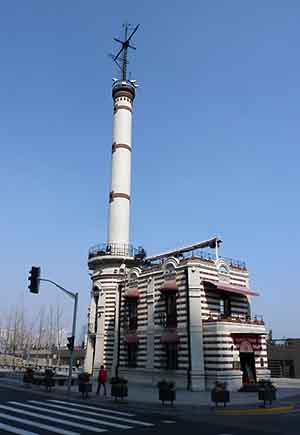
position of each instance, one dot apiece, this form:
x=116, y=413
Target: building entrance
x=248, y=367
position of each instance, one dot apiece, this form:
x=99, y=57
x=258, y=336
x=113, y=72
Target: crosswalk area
x=41, y=417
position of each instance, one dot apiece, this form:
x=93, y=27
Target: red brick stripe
x=116, y=108
x=114, y=195
x=120, y=145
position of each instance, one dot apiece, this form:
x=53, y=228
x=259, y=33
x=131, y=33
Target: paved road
x=30, y=413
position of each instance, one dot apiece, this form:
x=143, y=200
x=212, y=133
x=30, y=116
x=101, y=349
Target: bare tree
x=20, y=332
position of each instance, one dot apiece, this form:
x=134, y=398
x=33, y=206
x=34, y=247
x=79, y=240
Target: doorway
x=248, y=367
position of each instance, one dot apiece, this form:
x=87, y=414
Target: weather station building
x=182, y=315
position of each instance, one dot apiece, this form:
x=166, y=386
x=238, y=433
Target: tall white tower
x=109, y=261
x=123, y=93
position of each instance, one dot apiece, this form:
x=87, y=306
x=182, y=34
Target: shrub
x=266, y=383
x=118, y=380
x=84, y=378
x=165, y=385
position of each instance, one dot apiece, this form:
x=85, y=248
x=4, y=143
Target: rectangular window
x=172, y=356
x=132, y=314
x=132, y=355
x=225, y=306
x=171, y=320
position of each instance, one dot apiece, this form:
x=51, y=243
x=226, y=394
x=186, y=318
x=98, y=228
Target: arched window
x=170, y=272
x=223, y=269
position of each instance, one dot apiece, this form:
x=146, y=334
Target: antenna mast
x=121, y=58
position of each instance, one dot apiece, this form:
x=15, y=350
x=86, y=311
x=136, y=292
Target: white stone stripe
x=56, y=420
x=93, y=408
x=13, y=429
x=77, y=417
x=112, y=417
x=40, y=425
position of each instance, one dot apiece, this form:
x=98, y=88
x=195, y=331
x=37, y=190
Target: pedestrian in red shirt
x=102, y=378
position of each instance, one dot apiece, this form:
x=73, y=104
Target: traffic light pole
x=72, y=350
x=74, y=296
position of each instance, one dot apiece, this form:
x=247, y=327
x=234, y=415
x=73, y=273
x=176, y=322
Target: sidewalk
x=142, y=396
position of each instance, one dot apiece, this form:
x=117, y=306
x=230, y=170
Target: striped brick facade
x=221, y=337
x=209, y=346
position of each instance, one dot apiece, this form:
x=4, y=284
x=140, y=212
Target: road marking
x=9, y=428
x=77, y=417
x=56, y=420
x=40, y=425
x=92, y=408
x=168, y=421
x=126, y=420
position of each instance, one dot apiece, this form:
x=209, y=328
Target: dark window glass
x=172, y=357
x=132, y=355
x=132, y=314
x=171, y=320
x=225, y=306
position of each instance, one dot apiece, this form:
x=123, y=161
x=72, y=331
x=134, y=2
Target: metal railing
x=235, y=263
x=127, y=250
x=200, y=253
x=115, y=249
x=236, y=318
x=285, y=342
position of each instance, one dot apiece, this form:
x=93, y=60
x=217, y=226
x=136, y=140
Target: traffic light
x=70, y=344
x=34, y=279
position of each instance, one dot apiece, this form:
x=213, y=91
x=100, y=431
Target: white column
x=116, y=332
x=92, y=314
x=150, y=326
x=100, y=331
x=119, y=207
x=88, y=361
x=196, y=331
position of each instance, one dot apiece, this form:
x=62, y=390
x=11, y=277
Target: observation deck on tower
x=123, y=85
x=120, y=250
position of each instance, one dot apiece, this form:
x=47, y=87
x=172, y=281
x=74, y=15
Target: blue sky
x=216, y=139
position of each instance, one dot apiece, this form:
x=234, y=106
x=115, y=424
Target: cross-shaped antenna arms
x=122, y=61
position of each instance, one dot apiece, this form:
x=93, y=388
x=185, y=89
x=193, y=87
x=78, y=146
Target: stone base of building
x=263, y=374
x=197, y=381
x=233, y=379
x=152, y=377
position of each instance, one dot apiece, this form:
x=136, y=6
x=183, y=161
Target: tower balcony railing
x=114, y=249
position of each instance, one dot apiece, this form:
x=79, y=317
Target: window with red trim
x=171, y=356
x=131, y=308
x=171, y=311
x=132, y=354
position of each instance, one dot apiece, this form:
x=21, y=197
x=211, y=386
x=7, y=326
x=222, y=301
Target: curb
x=155, y=407
x=258, y=411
